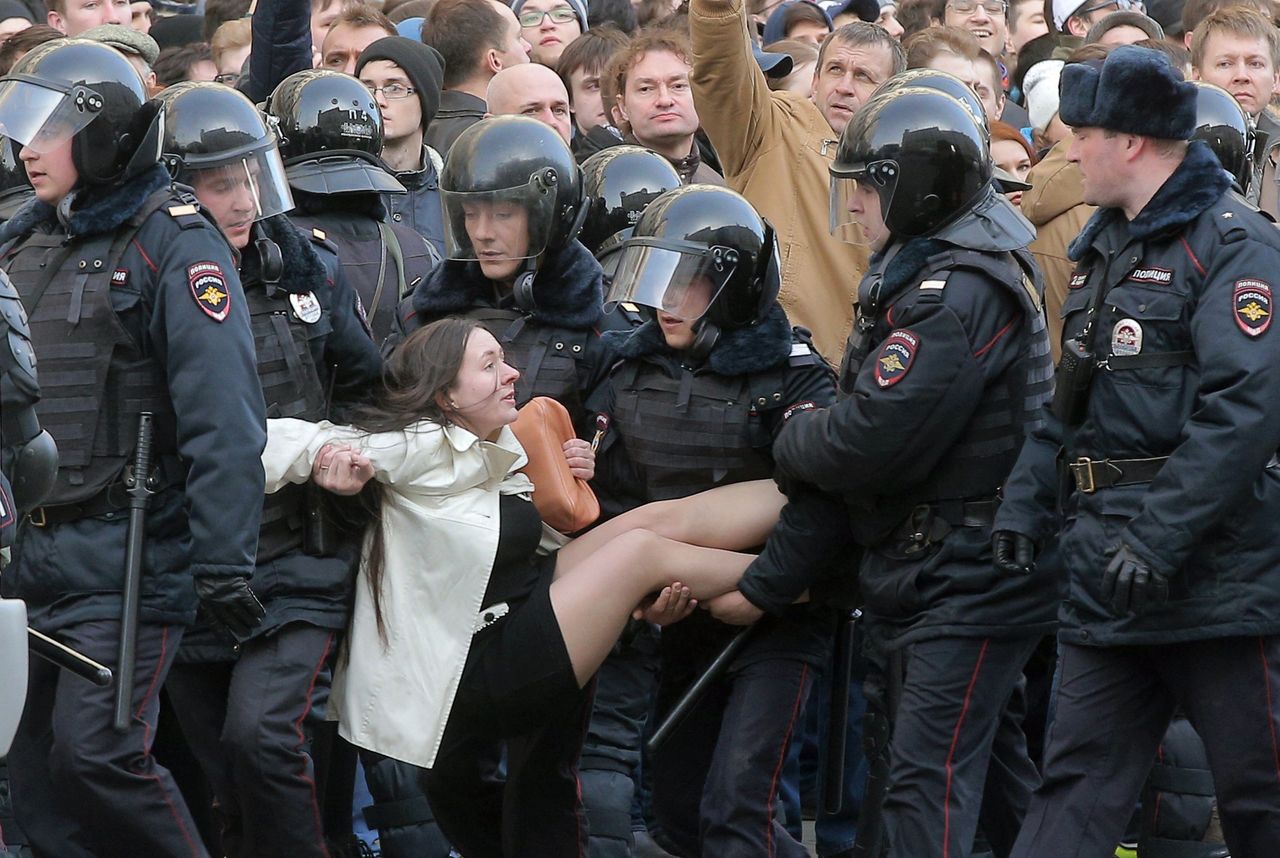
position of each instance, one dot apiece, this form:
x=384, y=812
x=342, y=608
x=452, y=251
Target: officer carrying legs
x=135, y=307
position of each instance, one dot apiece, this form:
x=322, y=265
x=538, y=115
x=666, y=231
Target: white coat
x=440, y=526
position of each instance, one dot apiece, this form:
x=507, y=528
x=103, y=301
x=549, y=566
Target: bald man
x=531, y=90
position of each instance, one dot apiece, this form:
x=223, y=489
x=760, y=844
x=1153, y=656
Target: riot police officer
x=945, y=369
x=240, y=710
x=618, y=183
x=1222, y=124
x=1165, y=417
x=700, y=393
x=135, y=307
x=331, y=133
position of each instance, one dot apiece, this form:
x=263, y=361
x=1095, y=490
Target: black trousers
x=957, y=754
x=1113, y=707
x=80, y=788
x=715, y=779
x=244, y=721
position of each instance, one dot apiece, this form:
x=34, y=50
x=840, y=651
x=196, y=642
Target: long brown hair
x=414, y=379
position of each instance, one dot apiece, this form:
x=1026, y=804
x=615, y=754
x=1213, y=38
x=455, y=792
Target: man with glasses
x=1074, y=18
x=404, y=76
x=549, y=26
x=984, y=18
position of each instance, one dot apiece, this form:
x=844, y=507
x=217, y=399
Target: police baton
x=63, y=656
x=832, y=777
x=691, y=697
x=137, y=484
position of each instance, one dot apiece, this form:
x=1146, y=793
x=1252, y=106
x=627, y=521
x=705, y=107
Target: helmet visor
x=860, y=203
x=42, y=118
x=511, y=223
x=672, y=277
x=251, y=187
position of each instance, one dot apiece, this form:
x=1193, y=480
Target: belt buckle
x=1084, y=484
x=37, y=517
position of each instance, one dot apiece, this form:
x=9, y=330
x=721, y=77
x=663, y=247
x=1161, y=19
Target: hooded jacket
x=1054, y=205
x=775, y=149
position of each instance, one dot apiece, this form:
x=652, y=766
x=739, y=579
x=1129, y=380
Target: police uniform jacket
x=143, y=308
x=1191, y=373
x=926, y=429
x=556, y=345
x=669, y=426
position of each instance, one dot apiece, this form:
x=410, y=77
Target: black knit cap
x=421, y=63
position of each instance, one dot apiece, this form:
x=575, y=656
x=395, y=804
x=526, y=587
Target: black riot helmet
x=504, y=160
x=701, y=249
x=1223, y=124
x=617, y=184
x=86, y=92
x=942, y=82
x=330, y=134
x=215, y=137
x=15, y=187
x=923, y=155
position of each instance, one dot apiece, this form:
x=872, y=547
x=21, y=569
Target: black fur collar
x=904, y=265
x=100, y=209
x=738, y=352
x=302, y=265
x=1198, y=183
x=369, y=204
x=569, y=289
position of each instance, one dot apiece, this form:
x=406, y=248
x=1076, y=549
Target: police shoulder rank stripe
x=209, y=288
x=895, y=358
x=1251, y=303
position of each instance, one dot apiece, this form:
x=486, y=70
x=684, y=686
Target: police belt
x=929, y=522
x=1093, y=474
x=111, y=502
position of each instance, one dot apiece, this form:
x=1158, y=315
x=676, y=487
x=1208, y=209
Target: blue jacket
x=1190, y=274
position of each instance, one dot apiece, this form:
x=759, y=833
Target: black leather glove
x=1013, y=553
x=1130, y=584
x=230, y=602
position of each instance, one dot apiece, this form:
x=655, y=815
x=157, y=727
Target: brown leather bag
x=565, y=502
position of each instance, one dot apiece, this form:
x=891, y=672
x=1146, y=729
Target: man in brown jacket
x=775, y=148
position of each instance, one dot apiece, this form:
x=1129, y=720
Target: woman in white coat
x=463, y=633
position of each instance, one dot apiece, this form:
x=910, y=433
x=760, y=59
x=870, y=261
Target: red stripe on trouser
x=302, y=740
x=1271, y=715
x=782, y=759
x=146, y=743
x=955, y=740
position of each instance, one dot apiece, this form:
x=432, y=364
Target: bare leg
x=735, y=517
x=594, y=596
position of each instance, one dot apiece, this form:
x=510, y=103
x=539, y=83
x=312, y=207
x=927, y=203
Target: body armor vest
x=682, y=442
x=983, y=455
x=291, y=387
x=95, y=377
x=546, y=356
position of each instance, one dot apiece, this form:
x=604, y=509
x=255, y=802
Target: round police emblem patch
x=306, y=307
x=1251, y=302
x=1126, y=337
x=895, y=358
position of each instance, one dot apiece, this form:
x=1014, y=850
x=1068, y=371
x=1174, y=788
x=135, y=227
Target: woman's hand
x=341, y=470
x=672, y=605
x=581, y=458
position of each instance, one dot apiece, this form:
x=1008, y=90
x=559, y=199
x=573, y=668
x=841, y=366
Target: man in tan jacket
x=775, y=148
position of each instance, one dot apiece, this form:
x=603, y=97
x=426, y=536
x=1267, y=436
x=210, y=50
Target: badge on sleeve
x=1126, y=338
x=209, y=288
x=306, y=307
x=1252, y=305
x=895, y=358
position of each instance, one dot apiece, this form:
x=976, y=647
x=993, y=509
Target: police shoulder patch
x=897, y=354
x=209, y=288
x=1251, y=304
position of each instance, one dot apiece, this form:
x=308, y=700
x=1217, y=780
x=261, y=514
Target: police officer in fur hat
x=1167, y=414
x=947, y=367
x=135, y=307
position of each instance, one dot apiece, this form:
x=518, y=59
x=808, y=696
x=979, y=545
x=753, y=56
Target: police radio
x=1072, y=379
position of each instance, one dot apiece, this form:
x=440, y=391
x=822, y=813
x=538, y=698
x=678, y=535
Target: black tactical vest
x=94, y=378
x=291, y=387
x=546, y=356
x=684, y=441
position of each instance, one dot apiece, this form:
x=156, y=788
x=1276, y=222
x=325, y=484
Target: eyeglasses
x=392, y=91
x=968, y=7
x=228, y=78
x=559, y=15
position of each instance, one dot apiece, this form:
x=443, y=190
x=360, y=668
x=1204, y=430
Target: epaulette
x=1234, y=225
x=803, y=352
x=319, y=234
x=630, y=312
x=320, y=237
x=188, y=213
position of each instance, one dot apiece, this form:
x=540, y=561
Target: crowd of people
x=917, y=354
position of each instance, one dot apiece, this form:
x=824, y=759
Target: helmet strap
x=705, y=336
x=270, y=262
x=522, y=286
